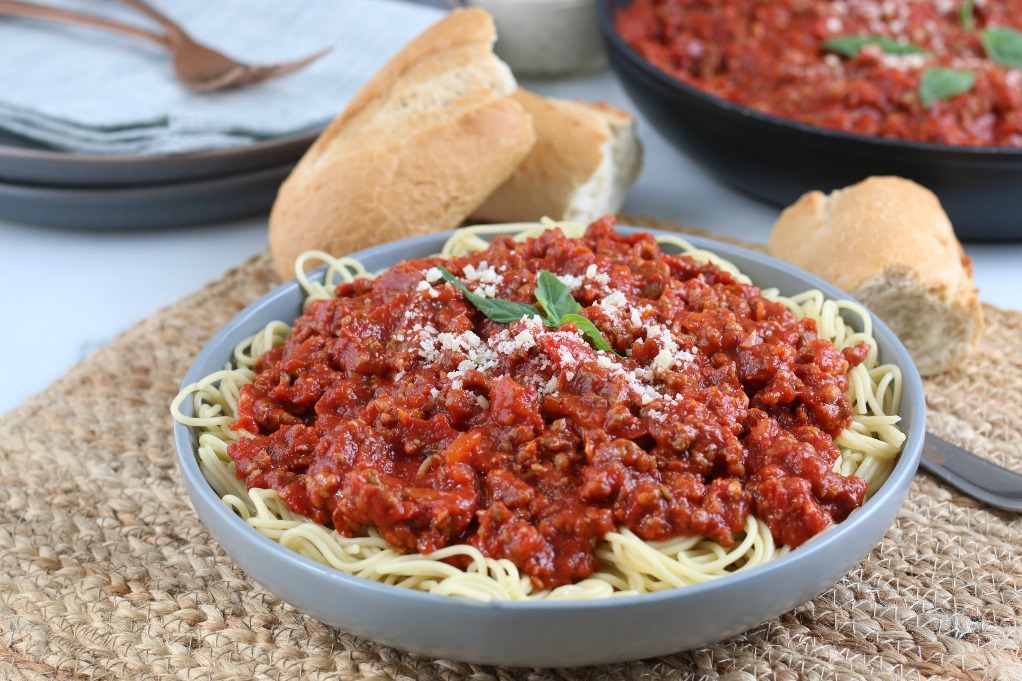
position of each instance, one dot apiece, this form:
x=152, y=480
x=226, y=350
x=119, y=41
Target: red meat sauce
x=768, y=56
x=400, y=406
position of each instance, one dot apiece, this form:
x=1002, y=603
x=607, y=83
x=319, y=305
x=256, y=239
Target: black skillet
x=778, y=160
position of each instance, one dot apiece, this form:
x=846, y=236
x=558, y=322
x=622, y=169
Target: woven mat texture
x=106, y=572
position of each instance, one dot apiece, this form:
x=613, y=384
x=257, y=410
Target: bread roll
x=585, y=158
x=888, y=242
x=416, y=150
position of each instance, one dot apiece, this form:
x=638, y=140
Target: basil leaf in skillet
x=497, y=309
x=939, y=83
x=968, y=15
x=1003, y=45
x=849, y=45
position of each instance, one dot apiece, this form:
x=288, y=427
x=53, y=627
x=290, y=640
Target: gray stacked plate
x=42, y=186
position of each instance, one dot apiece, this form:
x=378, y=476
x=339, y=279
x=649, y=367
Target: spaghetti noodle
x=627, y=563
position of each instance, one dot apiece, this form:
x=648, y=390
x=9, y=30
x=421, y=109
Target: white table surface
x=98, y=284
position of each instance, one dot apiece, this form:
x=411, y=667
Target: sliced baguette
x=888, y=242
x=585, y=159
x=420, y=146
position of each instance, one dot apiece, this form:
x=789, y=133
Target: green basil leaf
x=503, y=311
x=555, y=297
x=507, y=311
x=497, y=309
x=849, y=45
x=596, y=338
x=968, y=15
x=1003, y=45
x=938, y=83
x=454, y=281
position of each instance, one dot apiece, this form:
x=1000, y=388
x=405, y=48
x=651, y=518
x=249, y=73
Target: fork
x=197, y=66
x=977, y=477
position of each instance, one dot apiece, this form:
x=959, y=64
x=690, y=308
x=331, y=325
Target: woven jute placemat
x=106, y=572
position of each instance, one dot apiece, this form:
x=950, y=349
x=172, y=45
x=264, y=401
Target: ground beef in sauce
x=400, y=406
x=768, y=56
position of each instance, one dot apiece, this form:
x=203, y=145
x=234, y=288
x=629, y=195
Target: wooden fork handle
x=156, y=15
x=25, y=9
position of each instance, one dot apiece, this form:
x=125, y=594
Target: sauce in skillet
x=769, y=56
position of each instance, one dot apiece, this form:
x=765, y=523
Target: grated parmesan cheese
x=473, y=353
x=615, y=301
x=601, y=278
x=572, y=281
x=485, y=278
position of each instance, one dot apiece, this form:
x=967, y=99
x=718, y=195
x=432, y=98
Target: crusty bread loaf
x=585, y=158
x=888, y=242
x=420, y=146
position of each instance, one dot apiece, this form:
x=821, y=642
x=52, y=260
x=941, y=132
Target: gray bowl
x=553, y=634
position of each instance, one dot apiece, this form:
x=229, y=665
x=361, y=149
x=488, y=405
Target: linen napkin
x=88, y=90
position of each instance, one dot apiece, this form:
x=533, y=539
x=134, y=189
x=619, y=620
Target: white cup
x=544, y=38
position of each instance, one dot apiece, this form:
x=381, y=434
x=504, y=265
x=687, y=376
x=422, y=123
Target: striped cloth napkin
x=88, y=90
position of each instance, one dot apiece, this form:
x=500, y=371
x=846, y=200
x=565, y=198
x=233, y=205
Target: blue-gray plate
x=26, y=162
x=151, y=206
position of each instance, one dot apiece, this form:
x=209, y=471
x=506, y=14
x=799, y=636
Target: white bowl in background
x=545, y=38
